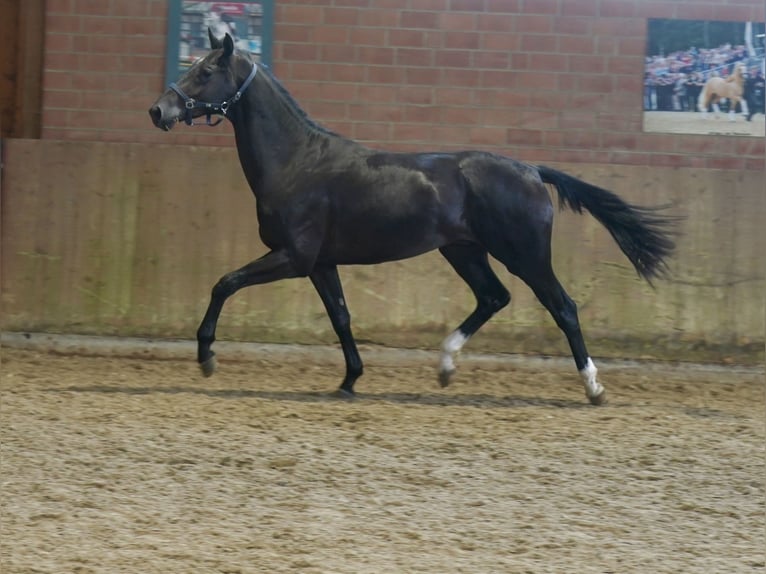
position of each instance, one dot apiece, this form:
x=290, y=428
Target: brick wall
x=541, y=80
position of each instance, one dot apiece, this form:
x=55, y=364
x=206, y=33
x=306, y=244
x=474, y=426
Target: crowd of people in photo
x=673, y=82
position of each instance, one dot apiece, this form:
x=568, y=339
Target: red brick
x=62, y=23
x=695, y=11
x=453, y=58
x=495, y=23
x=385, y=74
x=415, y=95
x=381, y=18
x=433, y=5
x=461, y=40
x=501, y=42
x=617, y=8
x=572, y=25
x=536, y=80
x=624, y=65
x=346, y=73
x=576, y=44
x=533, y=24
x=101, y=25
x=300, y=52
x=340, y=16
x=503, y=6
x=460, y=115
x=341, y=54
x=465, y=5
x=493, y=60
x=91, y=7
x=414, y=57
x=587, y=64
x=538, y=43
x=631, y=46
x=368, y=37
x=406, y=38
x=447, y=96
x=457, y=21
x=541, y=6
x=522, y=136
x=485, y=135
x=421, y=114
x=654, y=9
x=548, y=62
x=331, y=35
x=460, y=77
x=300, y=14
x=410, y=132
x=368, y=131
x=579, y=8
x=291, y=33
x=419, y=19
x=59, y=6
x=375, y=55
x=427, y=76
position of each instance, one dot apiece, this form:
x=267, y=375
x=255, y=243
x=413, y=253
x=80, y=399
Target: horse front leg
x=273, y=266
x=327, y=283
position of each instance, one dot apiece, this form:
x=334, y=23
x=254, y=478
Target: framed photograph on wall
x=250, y=23
x=704, y=77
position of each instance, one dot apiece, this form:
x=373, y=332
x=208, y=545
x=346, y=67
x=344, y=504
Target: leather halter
x=211, y=107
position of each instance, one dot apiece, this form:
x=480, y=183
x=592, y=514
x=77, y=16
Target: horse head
x=209, y=87
x=737, y=74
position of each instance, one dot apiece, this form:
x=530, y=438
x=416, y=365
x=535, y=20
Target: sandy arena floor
x=696, y=123
x=130, y=465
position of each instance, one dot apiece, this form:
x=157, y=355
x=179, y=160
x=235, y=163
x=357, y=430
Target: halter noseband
x=210, y=107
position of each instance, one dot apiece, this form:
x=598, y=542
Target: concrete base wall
x=128, y=239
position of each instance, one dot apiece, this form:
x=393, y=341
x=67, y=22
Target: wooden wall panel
x=128, y=239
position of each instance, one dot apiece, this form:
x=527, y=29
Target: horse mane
x=736, y=74
x=294, y=107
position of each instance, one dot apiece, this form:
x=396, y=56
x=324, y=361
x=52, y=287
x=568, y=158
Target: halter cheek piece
x=210, y=107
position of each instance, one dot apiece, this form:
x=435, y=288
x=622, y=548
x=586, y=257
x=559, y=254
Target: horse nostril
x=156, y=114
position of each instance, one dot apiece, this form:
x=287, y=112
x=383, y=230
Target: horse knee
x=495, y=301
x=224, y=288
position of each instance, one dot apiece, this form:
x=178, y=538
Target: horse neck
x=271, y=132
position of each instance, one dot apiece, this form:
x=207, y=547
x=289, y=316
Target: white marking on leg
x=745, y=109
x=450, y=347
x=592, y=387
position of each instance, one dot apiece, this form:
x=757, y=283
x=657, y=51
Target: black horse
x=324, y=200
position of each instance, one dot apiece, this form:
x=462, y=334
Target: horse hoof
x=345, y=394
x=444, y=378
x=599, y=399
x=208, y=367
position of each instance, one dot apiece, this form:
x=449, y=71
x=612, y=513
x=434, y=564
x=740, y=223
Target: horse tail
x=643, y=235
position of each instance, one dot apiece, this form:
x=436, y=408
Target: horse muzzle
x=163, y=117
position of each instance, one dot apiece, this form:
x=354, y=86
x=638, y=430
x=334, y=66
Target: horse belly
x=392, y=226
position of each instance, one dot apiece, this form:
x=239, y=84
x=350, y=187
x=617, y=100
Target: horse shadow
x=477, y=400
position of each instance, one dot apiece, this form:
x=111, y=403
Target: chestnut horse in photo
x=323, y=200
x=731, y=88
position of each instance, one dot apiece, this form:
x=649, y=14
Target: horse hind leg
x=471, y=263
x=551, y=294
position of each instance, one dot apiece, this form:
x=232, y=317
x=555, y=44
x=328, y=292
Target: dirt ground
x=696, y=123
x=113, y=464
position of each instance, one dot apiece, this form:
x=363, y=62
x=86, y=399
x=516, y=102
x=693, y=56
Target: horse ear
x=215, y=43
x=228, y=45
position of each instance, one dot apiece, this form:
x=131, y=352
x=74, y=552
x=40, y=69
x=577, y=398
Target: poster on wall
x=249, y=23
x=704, y=77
